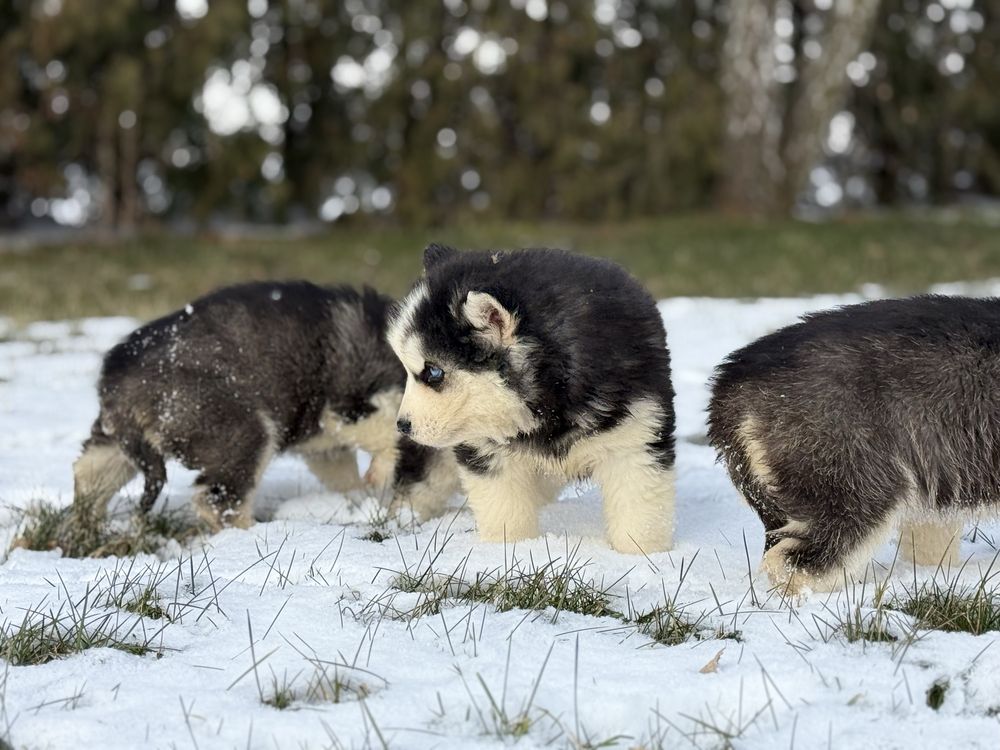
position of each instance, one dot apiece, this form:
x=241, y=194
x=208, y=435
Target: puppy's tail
x=102, y=469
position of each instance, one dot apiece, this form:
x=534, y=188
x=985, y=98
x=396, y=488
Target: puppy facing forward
x=839, y=427
x=245, y=373
x=538, y=366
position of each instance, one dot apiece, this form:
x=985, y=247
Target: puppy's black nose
x=404, y=426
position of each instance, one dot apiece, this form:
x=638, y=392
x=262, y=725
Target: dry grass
x=45, y=526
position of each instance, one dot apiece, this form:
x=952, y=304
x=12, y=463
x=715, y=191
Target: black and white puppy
x=247, y=372
x=539, y=366
x=839, y=427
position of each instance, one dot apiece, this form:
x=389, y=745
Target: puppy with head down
x=855, y=421
x=248, y=372
x=535, y=367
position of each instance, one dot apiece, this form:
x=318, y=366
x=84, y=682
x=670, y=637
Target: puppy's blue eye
x=432, y=375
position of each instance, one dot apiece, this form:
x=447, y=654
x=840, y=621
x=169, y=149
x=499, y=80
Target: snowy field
x=306, y=591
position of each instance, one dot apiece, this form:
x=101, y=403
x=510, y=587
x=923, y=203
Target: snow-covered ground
x=306, y=588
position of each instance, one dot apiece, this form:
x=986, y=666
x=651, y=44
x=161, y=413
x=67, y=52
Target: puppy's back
x=897, y=390
x=281, y=348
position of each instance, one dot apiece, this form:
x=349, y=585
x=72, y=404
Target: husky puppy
x=243, y=374
x=839, y=427
x=537, y=366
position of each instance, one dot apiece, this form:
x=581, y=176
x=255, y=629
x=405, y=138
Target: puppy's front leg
x=425, y=489
x=505, y=498
x=636, y=475
x=638, y=503
x=336, y=468
x=381, y=471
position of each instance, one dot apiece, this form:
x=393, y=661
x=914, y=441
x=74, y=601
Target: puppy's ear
x=485, y=313
x=435, y=253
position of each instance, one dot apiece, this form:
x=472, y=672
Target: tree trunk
x=774, y=133
x=822, y=91
x=107, y=165
x=752, y=139
x=128, y=164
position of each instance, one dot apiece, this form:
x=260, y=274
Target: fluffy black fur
x=195, y=384
x=863, y=414
x=595, y=336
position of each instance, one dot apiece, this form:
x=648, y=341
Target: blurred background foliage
x=192, y=113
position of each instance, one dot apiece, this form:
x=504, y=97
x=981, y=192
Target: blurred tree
x=95, y=95
x=927, y=114
x=299, y=44
x=293, y=110
x=784, y=76
x=434, y=110
x=563, y=111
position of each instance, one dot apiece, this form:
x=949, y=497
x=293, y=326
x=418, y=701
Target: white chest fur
x=633, y=434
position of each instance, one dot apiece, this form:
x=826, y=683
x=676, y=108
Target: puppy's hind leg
x=227, y=481
x=381, y=471
x=425, y=479
x=930, y=541
x=102, y=469
x=150, y=463
x=821, y=553
x=824, y=515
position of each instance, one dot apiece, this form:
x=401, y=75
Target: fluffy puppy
x=243, y=374
x=537, y=366
x=839, y=427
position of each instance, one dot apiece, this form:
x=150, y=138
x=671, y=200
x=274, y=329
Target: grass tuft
x=559, y=585
x=433, y=592
x=945, y=605
x=495, y=718
x=136, y=593
x=325, y=684
x=870, y=627
x=936, y=694
x=282, y=695
x=147, y=604
x=851, y=619
x=45, y=526
x=329, y=685
x=325, y=681
x=412, y=583
x=563, y=588
x=670, y=625
x=377, y=535
x=42, y=637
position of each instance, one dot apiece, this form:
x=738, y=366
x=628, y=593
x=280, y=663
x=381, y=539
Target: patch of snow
x=308, y=585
